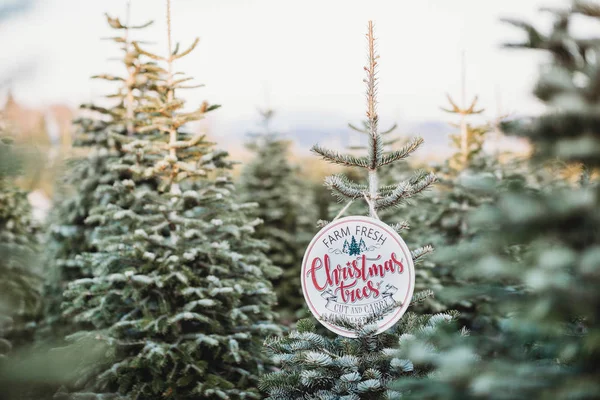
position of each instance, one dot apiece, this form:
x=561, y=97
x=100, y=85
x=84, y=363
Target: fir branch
x=386, y=190
x=405, y=190
x=356, y=147
x=177, y=82
x=142, y=26
x=322, y=223
x=395, y=198
x=389, y=130
x=535, y=40
x=340, y=159
x=471, y=109
x=365, y=128
x=108, y=77
x=93, y=107
x=401, y=154
x=180, y=144
x=421, y=252
x=391, y=141
x=422, y=182
x=421, y=296
x=343, y=188
x=176, y=56
x=114, y=23
x=399, y=227
x=418, y=176
x=146, y=53
x=455, y=109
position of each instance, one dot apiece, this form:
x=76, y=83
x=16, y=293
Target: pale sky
x=308, y=55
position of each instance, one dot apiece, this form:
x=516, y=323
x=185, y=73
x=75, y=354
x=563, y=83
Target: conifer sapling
x=319, y=366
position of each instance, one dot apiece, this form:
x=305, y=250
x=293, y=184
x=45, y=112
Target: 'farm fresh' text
x=360, y=230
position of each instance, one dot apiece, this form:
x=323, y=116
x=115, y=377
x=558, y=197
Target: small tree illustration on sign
x=354, y=249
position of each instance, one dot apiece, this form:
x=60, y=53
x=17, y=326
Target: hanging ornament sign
x=356, y=266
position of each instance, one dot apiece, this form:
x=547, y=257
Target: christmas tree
x=471, y=178
x=285, y=206
x=543, y=341
x=443, y=221
x=99, y=135
x=181, y=289
x=469, y=140
x=319, y=366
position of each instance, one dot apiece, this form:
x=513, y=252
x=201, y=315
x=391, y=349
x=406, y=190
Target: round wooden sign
x=355, y=266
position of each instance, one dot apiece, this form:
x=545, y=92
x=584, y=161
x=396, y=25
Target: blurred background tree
x=539, y=250
x=286, y=207
x=180, y=288
x=81, y=190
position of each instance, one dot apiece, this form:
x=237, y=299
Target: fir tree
x=317, y=366
x=469, y=140
x=545, y=342
x=180, y=288
x=70, y=231
x=285, y=207
x=471, y=178
x=443, y=221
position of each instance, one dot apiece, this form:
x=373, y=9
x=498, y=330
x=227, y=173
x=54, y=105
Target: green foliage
x=286, y=209
x=443, y=221
x=538, y=251
x=468, y=180
x=180, y=288
x=315, y=366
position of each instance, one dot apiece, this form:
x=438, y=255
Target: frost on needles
x=286, y=207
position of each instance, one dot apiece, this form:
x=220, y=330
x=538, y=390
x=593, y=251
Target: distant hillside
x=309, y=128
x=332, y=131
